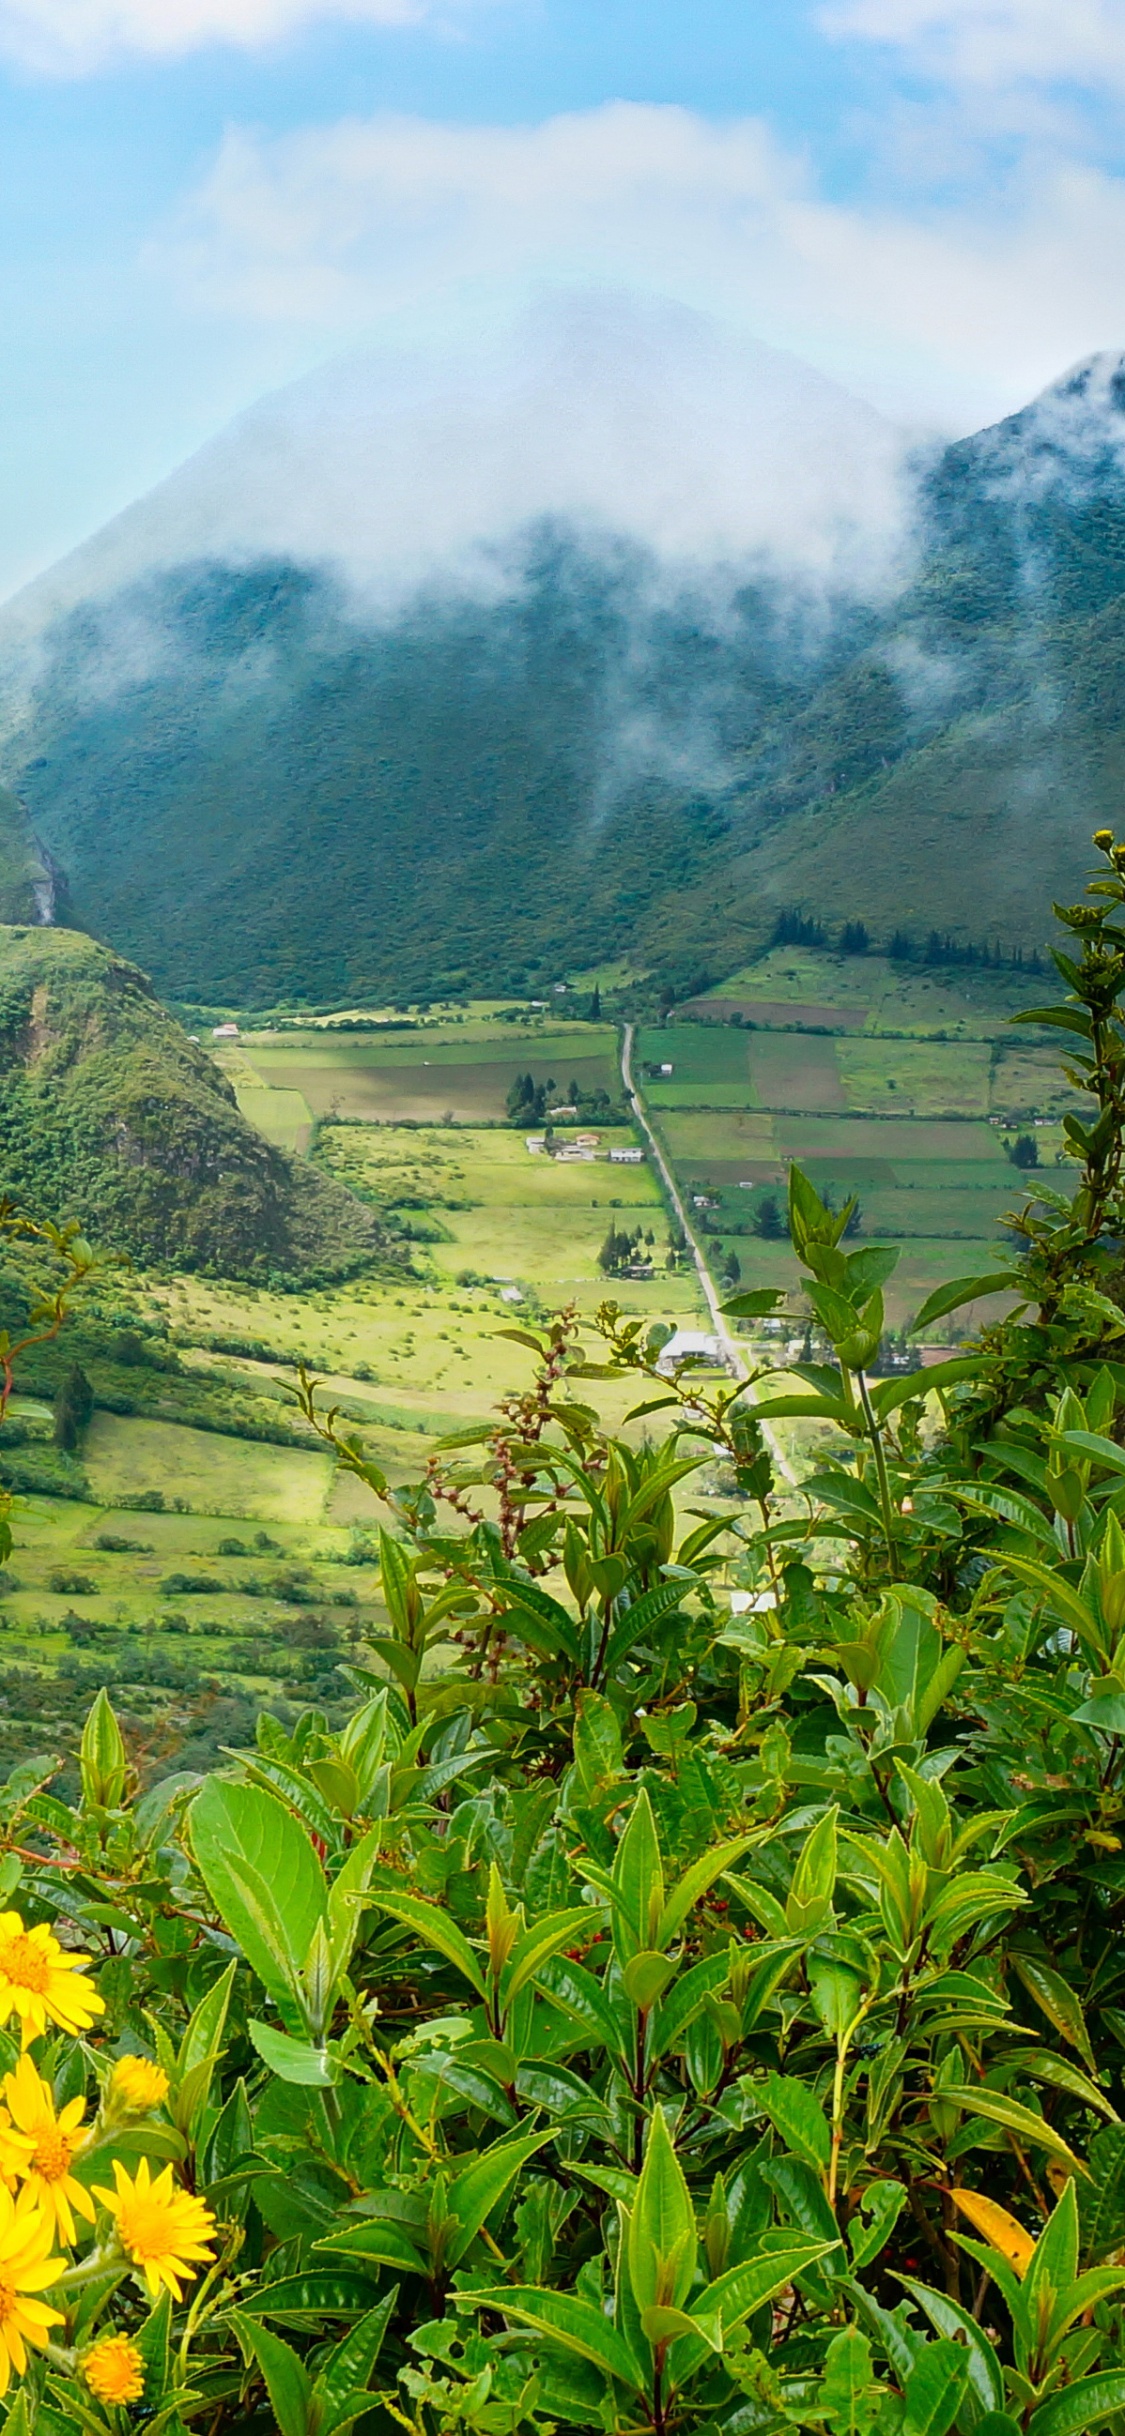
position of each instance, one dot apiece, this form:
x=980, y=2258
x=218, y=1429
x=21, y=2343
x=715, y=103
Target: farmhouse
x=626, y=1157
x=225, y=1031
x=536, y=1142
x=689, y=1345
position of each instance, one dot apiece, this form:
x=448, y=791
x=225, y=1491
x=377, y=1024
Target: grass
x=227, y=1476
x=460, y=1071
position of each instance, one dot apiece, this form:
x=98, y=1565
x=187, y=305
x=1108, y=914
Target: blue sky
x=202, y=199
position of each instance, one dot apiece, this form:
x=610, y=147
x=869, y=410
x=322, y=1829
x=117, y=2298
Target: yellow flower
x=114, y=2370
x=48, y=2143
x=136, y=2085
x=26, y=2267
x=160, y=2228
x=41, y=1983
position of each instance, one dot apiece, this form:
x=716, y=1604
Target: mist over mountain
x=613, y=634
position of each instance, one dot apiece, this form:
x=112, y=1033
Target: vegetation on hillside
x=650, y=2009
x=110, y=1114
x=276, y=806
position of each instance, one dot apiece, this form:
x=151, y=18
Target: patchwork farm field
x=903, y=1088
x=453, y=1072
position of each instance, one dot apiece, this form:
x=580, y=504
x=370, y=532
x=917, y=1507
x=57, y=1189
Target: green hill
x=269, y=796
x=110, y=1114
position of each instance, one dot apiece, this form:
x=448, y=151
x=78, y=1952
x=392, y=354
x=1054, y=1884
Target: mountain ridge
x=610, y=753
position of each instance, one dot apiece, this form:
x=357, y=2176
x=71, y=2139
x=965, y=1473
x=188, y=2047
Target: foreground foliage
x=655, y=2008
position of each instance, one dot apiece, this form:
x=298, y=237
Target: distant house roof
x=688, y=1344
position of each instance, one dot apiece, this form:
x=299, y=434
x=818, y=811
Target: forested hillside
x=110, y=1115
x=264, y=791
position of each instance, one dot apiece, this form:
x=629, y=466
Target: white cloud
x=948, y=317
x=71, y=37
x=993, y=43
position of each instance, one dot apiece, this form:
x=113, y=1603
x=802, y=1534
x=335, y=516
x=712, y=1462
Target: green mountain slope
x=266, y=795
x=108, y=1113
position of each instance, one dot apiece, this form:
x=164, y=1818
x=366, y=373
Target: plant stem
x=876, y=1437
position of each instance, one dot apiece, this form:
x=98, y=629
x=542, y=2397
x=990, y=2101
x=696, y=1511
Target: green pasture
x=491, y=1167
x=814, y=986
x=461, y=1073
x=915, y=1077
x=234, y=1476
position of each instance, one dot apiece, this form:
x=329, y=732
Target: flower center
x=146, y=2230
x=51, y=2156
x=9, y=2301
x=25, y=1964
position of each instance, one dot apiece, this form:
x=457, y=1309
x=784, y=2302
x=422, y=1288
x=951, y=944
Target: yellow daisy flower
x=114, y=2370
x=49, y=2143
x=136, y=2086
x=159, y=2227
x=26, y=2267
x=41, y=1983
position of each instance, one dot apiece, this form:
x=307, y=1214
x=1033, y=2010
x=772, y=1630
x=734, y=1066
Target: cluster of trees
x=796, y=929
x=625, y=1248
x=528, y=1101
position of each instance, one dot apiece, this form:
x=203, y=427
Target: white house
x=627, y=1157
x=688, y=1345
x=225, y=1031
x=536, y=1142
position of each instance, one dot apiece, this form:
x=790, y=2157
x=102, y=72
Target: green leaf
x=846, y=2398
x=638, y=1882
x=287, y=2379
x=541, y=1621
x=103, y=1759
x=400, y=1591
x=963, y=1290
x=986, y=2377
x=152, y=2343
x=694, y=1884
x=882, y=2203
x=645, y=1978
x=347, y=2370
x=293, y=2059
x=662, y=2325
x=662, y=2240
x=1057, y=1999
x=598, y=1753
x=377, y=2242
x=634, y=1621
x=1081, y=2407
x=735, y=2295
x=799, y=2117
x=436, y=1929
x=1088, y=1442
x=890, y=1393
x=935, y=2389
x=756, y=1305
x=262, y=1875
x=474, y=2193
x=535, y=1947
x=203, y=2037
x=685, y=2000
x=572, y=2323
x=1103, y=2212
x=996, y=2107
